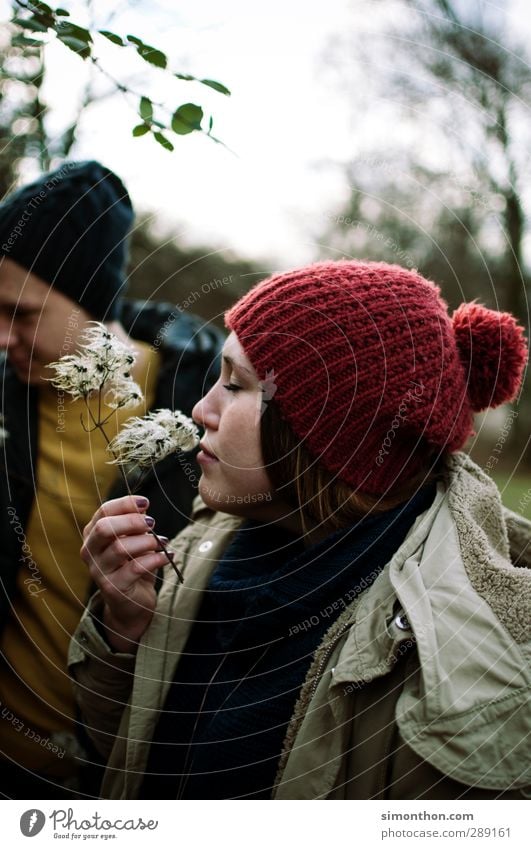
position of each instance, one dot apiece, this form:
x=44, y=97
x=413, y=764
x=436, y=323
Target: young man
x=63, y=248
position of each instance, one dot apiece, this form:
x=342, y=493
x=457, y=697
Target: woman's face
x=234, y=479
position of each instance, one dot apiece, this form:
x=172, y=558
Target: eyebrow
x=233, y=364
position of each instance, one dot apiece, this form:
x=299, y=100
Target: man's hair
x=70, y=228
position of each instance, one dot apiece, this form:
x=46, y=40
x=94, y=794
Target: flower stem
x=99, y=426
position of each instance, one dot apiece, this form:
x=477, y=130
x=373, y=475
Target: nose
x=7, y=333
x=205, y=412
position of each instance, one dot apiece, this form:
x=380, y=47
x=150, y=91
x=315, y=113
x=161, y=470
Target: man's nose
x=7, y=333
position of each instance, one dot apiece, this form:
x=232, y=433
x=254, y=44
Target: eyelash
x=231, y=387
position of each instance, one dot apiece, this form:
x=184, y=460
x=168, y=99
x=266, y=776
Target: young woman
x=354, y=621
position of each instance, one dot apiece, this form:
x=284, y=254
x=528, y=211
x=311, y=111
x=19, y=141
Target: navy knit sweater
x=268, y=604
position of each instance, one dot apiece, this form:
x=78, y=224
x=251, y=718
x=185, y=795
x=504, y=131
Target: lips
x=207, y=452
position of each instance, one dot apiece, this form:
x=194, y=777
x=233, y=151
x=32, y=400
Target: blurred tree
x=205, y=281
x=461, y=84
x=466, y=63
x=397, y=213
x=23, y=134
x=21, y=110
x=451, y=82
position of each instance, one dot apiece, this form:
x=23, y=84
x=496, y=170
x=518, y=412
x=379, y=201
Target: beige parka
x=419, y=689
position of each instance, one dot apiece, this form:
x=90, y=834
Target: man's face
x=37, y=324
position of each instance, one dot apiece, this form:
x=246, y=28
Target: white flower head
x=148, y=439
x=108, y=352
x=102, y=360
x=77, y=375
x=123, y=394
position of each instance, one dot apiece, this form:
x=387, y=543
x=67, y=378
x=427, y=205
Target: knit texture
x=368, y=368
x=70, y=228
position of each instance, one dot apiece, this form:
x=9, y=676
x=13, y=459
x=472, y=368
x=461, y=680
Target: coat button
x=206, y=546
x=402, y=622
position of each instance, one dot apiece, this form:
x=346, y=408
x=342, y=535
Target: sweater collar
x=267, y=581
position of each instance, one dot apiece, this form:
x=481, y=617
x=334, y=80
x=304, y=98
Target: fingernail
x=163, y=539
x=149, y=521
x=140, y=501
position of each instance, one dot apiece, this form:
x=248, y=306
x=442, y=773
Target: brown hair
x=321, y=496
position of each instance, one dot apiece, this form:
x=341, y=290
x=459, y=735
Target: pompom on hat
x=70, y=228
x=369, y=368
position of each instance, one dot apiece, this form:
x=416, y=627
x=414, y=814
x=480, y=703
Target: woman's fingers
x=117, y=586
x=123, y=557
x=109, y=548
x=109, y=529
x=132, y=505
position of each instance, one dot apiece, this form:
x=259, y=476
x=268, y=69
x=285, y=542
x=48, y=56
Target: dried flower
x=103, y=360
x=76, y=375
x=148, y=439
x=123, y=394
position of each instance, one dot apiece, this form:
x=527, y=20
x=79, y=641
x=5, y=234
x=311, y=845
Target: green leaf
x=112, y=37
x=146, y=109
x=80, y=47
x=30, y=23
x=70, y=30
x=216, y=86
x=153, y=56
x=141, y=129
x=162, y=140
x=42, y=12
x=40, y=7
x=210, y=83
x=210, y=124
x=134, y=40
x=74, y=37
x=23, y=41
x=62, y=12
x=186, y=119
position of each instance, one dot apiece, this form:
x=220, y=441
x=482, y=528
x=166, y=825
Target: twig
x=99, y=426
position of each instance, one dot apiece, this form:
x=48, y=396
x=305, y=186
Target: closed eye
x=232, y=387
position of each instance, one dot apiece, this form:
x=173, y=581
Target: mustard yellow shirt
x=73, y=477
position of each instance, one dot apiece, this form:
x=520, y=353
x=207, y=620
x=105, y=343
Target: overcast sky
x=286, y=116
x=265, y=196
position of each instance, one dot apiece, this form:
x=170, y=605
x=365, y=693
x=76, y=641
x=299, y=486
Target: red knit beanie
x=364, y=362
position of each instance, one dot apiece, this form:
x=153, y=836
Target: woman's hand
x=123, y=558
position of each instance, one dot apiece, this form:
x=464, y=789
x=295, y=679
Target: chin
x=245, y=504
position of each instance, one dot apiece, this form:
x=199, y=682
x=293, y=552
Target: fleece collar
x=467, y=609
